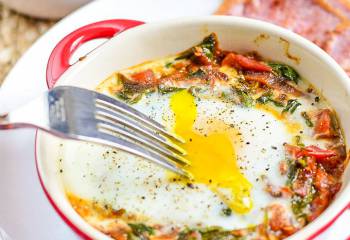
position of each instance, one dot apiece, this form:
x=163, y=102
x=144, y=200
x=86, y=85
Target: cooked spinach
x=245, y=98
x=292, y=105
x=185, y=55
x=292, y=172
x=302, y=162
x=298, y=141
x=285, y=71
x=267, y=97
x=277, y=104
x=208, y=46
x=168, y=64
x=209, y=42
x=197, y=74
x=307, y=119
x=168, y=89
x=208, y=53
x=129, y=97
x=218, y=235
x=210, y=233
x=140, y=229
x=299, y=204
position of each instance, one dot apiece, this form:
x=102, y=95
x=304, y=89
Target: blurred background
x=23, y=21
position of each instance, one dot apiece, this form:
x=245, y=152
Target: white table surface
x=25, y=212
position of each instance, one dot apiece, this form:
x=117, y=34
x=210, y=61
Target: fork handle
x=59, y=59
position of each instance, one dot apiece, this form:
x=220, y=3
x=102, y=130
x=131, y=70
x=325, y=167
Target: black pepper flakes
x=309, y=89
x=226, y=212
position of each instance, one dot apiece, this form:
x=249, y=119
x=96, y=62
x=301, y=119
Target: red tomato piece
x=309, y=151
x=246, y=63
x=294, y=151
x=144, y=77
x=261, y=77
x=323, y=127
x=318, y=153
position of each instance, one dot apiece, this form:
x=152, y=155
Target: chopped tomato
x=311, y=166
x=144, y=77
x=323, y=127
x=309, y=151
x=301, y=186
x=318, y=153
x=229, y=60
x=165, y=237
x=246, y=63
x=261, y=77
x=270, y=80
x=279, y=219
x=335, y=164
x=293, y=151
x=283, y=167
x=322, y=179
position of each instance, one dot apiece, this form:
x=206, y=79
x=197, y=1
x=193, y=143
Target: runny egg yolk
x=212, y=155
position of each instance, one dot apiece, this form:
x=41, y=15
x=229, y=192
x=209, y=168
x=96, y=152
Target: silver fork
x=80, y=114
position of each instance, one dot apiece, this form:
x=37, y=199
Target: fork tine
x=112, y=141
x=116, y=117
x=124, y=108
x=115, y=129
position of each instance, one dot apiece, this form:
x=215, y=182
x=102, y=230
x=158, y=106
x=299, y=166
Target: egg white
x=109, y=176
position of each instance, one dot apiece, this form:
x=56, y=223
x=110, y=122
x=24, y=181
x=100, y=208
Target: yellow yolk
x=212, y=156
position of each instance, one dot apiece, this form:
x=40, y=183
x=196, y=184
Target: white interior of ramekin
x=155, y=40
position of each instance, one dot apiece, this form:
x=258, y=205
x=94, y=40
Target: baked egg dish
x=266, y=151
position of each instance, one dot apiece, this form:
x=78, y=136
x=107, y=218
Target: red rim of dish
x=59, y=62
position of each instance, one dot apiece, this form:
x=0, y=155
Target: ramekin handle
x=59, y=59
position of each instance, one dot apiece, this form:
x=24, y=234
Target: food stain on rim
x=286, y=45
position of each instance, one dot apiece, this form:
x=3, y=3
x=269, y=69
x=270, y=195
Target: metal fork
x=81, y=114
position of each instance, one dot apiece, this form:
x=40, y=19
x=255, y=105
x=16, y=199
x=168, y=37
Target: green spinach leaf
x=245, y=98
x=140, y=229
x=307, y=119
x=267, y=97
x=292, y=105
x=168, y=89
x=285, y=71
x=197, y=74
